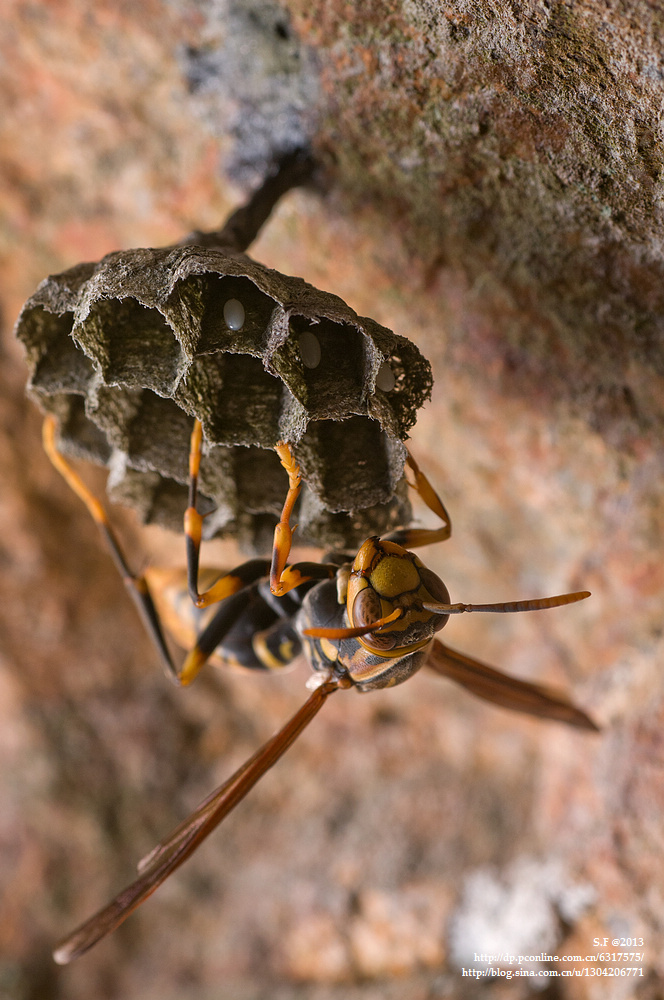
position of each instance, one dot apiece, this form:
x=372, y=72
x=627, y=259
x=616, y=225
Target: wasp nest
x=127, y=351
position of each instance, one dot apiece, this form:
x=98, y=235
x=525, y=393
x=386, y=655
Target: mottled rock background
x=494, y=191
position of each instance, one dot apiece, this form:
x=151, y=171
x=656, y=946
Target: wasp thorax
x=394, y=575
x=393, y=571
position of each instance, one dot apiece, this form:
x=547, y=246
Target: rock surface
x=494, y=193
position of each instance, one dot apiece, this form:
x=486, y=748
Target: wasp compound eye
x=366, y=610
x=434, y=585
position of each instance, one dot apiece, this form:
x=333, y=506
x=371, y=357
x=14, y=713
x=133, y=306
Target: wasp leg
x=226, y=616
x=282, y=577
x=136, y=585
x=283, y=533
x=232, y=582
x=412, y=538
x=506, y=691
x=183, y=841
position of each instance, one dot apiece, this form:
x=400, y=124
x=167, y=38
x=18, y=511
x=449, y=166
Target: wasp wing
x=184, y=840
x=506, y=691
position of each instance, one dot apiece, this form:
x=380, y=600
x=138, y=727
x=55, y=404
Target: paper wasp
x=366, y=621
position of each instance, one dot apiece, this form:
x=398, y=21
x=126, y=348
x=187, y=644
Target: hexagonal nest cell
x=126, y=352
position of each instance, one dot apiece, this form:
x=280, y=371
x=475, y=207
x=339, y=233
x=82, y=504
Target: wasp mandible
x=364, y=621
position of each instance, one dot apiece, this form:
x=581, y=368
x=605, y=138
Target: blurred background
x=493, y=190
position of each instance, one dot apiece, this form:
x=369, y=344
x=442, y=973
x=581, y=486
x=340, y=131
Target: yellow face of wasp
x=386, y=577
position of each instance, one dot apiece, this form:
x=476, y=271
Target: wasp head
x=386, y=579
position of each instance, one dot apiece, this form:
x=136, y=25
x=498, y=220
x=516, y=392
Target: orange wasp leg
x=284, y=578
x=229, y=588
x=183, y=841
x=231, y=583
x=412, y=538
x=501, y=689
x=136, y=584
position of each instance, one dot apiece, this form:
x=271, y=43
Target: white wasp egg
x=234, y=314
x=309, y=345
x=385, y=379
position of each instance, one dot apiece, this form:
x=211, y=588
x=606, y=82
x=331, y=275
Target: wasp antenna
x=538, y=604
x=353, y=633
